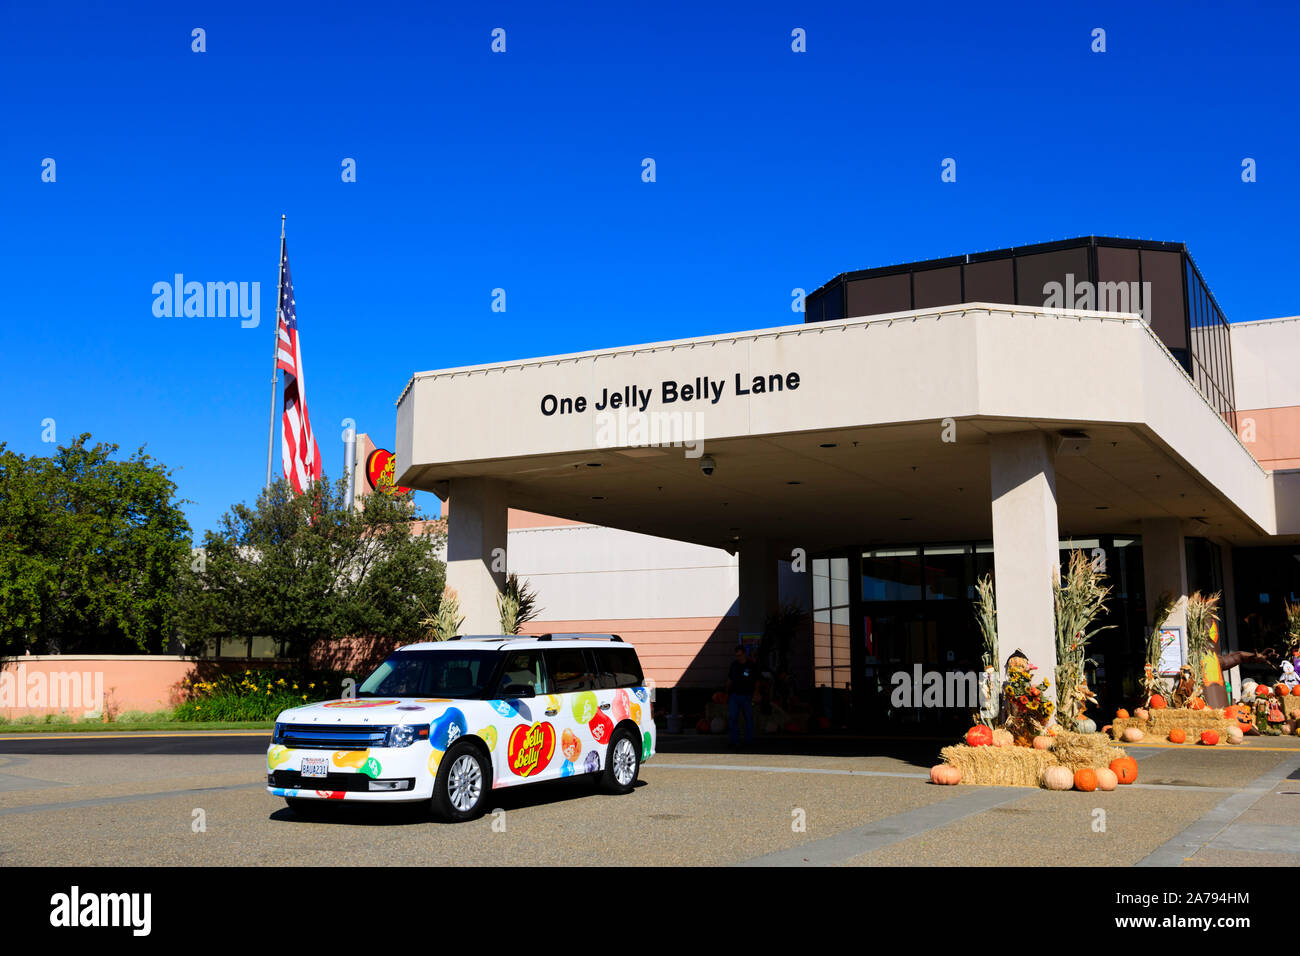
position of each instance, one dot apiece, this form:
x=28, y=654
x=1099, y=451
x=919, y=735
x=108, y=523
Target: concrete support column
x=1164, y=568
x=476, y=551
x=759, y=585
x=1026, y=542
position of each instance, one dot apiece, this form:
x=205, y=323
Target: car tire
x=460, y=790
x=622, y=763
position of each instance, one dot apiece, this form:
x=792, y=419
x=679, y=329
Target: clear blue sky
x=523, y=171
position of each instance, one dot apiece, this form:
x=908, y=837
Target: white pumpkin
x=1141, y=713
x=1106, y=778
x=1132, y=735
x=1003, y=738
x=1235, y=736
x=1058, y=778
x=1085, y=725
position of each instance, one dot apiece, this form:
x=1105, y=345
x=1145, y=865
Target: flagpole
x=275, y=350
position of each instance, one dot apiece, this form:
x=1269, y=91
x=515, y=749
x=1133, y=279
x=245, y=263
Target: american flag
x=299, y=454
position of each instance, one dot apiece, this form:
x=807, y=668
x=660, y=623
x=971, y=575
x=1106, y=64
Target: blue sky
x=522, y=171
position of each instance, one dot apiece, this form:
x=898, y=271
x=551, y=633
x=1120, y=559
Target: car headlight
x=403, y=735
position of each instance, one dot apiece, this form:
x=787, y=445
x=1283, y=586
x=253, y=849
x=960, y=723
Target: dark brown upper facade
x=1091, y=272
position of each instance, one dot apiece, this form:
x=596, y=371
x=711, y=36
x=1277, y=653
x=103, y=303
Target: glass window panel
x=989, y=281
x=821, y=583
x=1164, y=270
x=935, y=287
x=947, y=573
x=879, y=295
x=891, y=575
x=1034, y=272
x=839, y=582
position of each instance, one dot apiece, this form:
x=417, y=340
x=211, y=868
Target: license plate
x=314, y=766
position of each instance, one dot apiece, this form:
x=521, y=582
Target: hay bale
x=1078, y=751
x=999, y=766
x=1291, y=706
x=1160, y=722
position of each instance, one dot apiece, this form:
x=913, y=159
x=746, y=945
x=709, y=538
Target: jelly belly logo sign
x=380, y=467
x=530, y=749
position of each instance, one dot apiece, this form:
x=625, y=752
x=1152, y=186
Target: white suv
x=449, y=721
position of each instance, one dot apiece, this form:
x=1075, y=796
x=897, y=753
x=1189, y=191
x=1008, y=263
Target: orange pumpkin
x=1230, y=712
x=1282, y=690
x=1262, y=690
x=945, y=775
x=1085, y=780
x=1177, y=735
x=1209, y=737
x=1121, y=714
x=1106, y=779
x=1157, y=702
x=1124, y=768
x=979, y=736
x=1197, y=704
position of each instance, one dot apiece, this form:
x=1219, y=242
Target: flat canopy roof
x=865, y=430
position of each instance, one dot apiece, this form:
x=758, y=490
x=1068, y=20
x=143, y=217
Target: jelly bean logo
x=435, y=758
x=330, y=794
x=552, y=703
x=530, y=749
x=433, y=700
x=641, y=695
x=584, y=707
x=636, y=713
x=592, y=763
x=601, y=727
x=371, y=768
x=350, y=758
x=504, y=708
x=489, y=735
x=276, y=756
x=353, y=704
x=645, y=746
x=619, y=708
x=447, y=728
x=566, y=769
x=570, y=744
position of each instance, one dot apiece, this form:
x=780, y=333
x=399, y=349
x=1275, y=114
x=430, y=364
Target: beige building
x=872, y=464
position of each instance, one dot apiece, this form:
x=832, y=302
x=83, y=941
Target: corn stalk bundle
x=1080, y=598
x=986, y=615
x=1151, y=682
x=1202, y=612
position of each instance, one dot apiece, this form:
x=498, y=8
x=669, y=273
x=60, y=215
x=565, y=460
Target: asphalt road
x=200, y=800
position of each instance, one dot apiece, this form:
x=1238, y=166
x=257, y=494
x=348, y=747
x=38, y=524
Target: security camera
x=707, y=464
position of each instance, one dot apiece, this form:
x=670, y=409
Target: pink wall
x=1272, y=435
x=75, y=684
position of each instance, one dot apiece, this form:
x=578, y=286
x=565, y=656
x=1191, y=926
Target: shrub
x=252, y=695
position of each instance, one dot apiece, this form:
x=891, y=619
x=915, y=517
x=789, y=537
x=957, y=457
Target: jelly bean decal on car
x=530, y=749
x=619, y=708
x=570, y=744
x=489, y=735
x=566, y=769
x=361, y=703
x=276, y=756
x=592, y=763
x=636, y=713
x=641, y=694
x=645, y=746
x=350, y=758
x=601, y=727
x=584, y=707
x=371, y=768
x=444, y=731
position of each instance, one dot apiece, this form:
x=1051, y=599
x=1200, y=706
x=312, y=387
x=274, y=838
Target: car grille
x=345, y=782
x=332, y=737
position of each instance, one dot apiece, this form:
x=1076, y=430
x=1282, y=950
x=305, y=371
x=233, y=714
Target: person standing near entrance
x=740, y=695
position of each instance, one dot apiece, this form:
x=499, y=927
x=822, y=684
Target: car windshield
x=431, y=674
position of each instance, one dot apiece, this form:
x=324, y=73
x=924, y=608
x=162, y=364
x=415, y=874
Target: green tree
x=305, y=568
x=89, y=548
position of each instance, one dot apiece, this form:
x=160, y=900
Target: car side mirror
x=517, y=691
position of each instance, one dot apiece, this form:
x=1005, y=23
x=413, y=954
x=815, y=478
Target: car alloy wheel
x=464, y=783
x=624, y=761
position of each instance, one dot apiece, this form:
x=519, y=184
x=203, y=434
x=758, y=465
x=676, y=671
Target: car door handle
x=551, y=713
x=604, y=706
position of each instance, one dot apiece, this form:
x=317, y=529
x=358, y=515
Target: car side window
x=617, y=667
x=526, y=669
x=569, y=671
